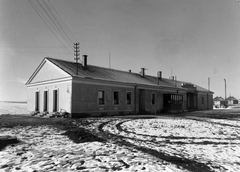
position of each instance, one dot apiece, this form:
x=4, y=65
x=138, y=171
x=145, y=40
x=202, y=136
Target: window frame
x=118, y=98
x=37, y=100
x=46, y=101
x=176, y=99
x=55, y=100
x=129, y=92
x=102, y=101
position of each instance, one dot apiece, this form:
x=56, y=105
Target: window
x=202, y=100
x=55, y=100
x=153, y=99
x=45, y=101
x=180, y=100
x=101, y=100
x=37, y=101
x=176, y=99
x=116, y=98
x=129, y=98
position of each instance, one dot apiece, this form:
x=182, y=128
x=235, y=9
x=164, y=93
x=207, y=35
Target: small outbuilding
x=219, y=102
x=87, y=90
x=231, y=100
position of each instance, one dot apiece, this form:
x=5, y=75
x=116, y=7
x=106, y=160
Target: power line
x=52, y=19
x=61, y=21
x=58, y=22
x=225, y=75
x=23, y=46
x=53, y=22
x=42, y=17
x=13, y=51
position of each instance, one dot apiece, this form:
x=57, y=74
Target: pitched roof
x=96, y=72
x=231, y=98
x=218, y=99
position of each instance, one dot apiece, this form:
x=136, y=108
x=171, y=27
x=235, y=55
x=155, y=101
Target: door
x=45, y=101
x=55, y=100
x=191, y=101
x=37, y=101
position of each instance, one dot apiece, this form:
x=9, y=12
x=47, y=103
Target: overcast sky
x=192, y=39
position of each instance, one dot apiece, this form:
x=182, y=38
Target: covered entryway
x=172, y=102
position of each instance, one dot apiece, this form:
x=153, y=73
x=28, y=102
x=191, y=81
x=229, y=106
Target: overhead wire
x=52, y=19
x=43, y=18
x=62, y=22
x=57, y=23
x=53, y=23
x=15, y=51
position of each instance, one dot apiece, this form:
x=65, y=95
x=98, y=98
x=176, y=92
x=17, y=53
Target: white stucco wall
x=64, y=95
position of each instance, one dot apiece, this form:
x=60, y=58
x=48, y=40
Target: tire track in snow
x=118, y=126
x=181, y=162
x=212, y=122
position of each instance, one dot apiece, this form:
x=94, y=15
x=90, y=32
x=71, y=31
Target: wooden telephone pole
x=76, y=54
x=225, y=89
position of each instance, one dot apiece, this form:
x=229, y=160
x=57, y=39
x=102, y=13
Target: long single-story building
x=87, y=90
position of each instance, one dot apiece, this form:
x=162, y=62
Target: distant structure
x=231, y=100
x=219, y=102
x=99, y=91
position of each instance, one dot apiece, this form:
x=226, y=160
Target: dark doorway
x=141, y=101
x=172, y=102
x=55, y=100
x=45, y=101
x=191, y=101
x=37, y=101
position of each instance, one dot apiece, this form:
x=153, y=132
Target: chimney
x=130, y=71
x=171, y=77
x=143, y=72
x=159, y=75
x=84, y=61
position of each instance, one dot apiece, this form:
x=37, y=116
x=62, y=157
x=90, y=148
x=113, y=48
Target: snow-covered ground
x=46, y=149
x=135, y=143
x=13, y=108
x=213, y=142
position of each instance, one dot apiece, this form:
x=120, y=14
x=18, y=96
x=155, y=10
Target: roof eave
x=35, y=72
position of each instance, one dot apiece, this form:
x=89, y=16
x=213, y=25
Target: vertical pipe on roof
x=175, y=81
x=84, y=61
x=143, y=72
x=159, y=76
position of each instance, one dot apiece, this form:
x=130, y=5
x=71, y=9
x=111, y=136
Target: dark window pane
x=153, y=99
x=101, y=97
x=116, y=97
x=129, y=98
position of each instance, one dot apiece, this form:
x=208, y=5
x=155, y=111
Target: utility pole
x=109, y=60
x=76, y=54
x=225, y=89
x=208, y=83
